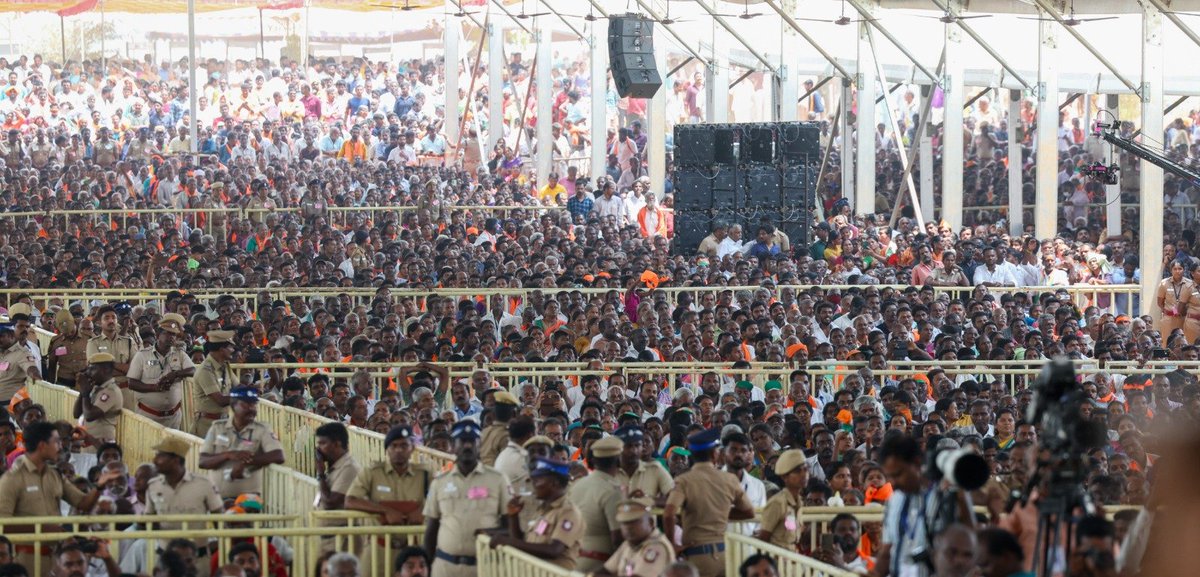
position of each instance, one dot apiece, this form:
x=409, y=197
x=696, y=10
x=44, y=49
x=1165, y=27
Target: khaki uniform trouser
x=709, y=564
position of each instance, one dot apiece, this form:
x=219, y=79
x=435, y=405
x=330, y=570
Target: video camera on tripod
x=1067, y=437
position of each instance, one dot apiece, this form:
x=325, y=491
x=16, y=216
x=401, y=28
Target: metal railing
x=1105, y=297
x=285, y=490
x=220, y=532
x=506, y=561
x=297, y=429
x=375, y=551
x=826, y=375
x=337, y=215
x=789, y=563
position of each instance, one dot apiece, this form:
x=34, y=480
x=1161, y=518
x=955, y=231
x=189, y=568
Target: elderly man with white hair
x=343, y=565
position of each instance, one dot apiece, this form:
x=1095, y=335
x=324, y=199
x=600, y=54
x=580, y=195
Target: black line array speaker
x=631, y=56
x=695, y=146
x=745, y=174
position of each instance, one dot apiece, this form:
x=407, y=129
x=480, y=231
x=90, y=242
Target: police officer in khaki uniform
x=16, y=364
x=394, y=489
x=640, y=478
x=120, y=347
x=597, y=496
x=99, y=399
x=708, y=499
x=537, y=447
x=559, y=528
x=213, y=381
x=238, y=448
x=646, y=551
x=495, y=437
x=781, y=516
x=461, y=501
x=68, y=350
x=336, y=468
x=33, y=487
x=259, y=201
x=176, y=491
x=156, y=375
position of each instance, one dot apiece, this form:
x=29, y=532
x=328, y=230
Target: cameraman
x=908, y=521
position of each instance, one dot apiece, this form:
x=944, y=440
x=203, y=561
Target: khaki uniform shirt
x=70, y=356
x=559, y=521
x=340, y=477
x=257, y=203
x=107, y=398
x=24, y=492
x=465, y=503
x=14, y=363
x=148, y=366
x=194, y=495
x=494, y=439
x=650, y=557
x=650, y=478
x=781, y=518
x=212, y=377
x=256, y=438
x=597, y=496
x=380, y=482
x=704, y=496
x=121, y=348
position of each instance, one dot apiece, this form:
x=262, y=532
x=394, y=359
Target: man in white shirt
x=739, y=456
x=732, y=242
x=991, y=275
x=609, y=204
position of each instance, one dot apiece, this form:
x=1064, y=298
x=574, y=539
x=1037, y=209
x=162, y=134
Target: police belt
x=710, y=549
x=456, y=559
x=157, y=413
x=209, y=416
x=597, y=555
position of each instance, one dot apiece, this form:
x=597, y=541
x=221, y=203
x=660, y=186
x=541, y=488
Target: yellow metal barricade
x=376, y=552
x=790, y=564
x=508, y=562
x=138, y=435
x=1101, y=296
x=36, y=537
x=220, y=532
x=296, y=430
x=289, y=492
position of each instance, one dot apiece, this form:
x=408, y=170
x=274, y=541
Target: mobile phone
x=827, y=541
x=1157, y=354
x=899, y=349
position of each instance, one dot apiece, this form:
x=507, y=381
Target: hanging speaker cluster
x=631, y=56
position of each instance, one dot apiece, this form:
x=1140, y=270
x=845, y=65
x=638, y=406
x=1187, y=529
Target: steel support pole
x=193, y=85
x=1112, y=194
x=926, y=157
x=787, y=81
x=545, y=98
x=452, y=33
x=496, y=66
x=898, y=137
x=599, y=87
x=1046, y=181
x=657, y=139
x=1151, y=218
x=846, y=154
x=952, y=130
x=1016, y=209
x=716, y=105
x=864, y=178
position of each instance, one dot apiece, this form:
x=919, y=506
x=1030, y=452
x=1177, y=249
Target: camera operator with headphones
x=916, y=511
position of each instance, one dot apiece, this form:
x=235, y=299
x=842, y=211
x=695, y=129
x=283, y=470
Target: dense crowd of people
x=569, y=468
